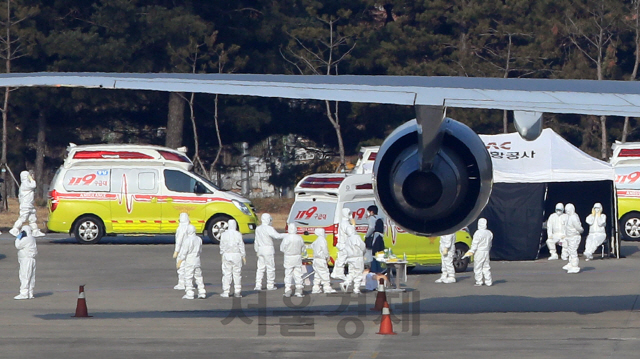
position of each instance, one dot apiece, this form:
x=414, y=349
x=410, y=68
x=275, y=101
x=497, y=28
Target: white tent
x=530, y=177
x=550, y=158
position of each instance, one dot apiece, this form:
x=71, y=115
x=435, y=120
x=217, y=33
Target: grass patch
x=9, y=217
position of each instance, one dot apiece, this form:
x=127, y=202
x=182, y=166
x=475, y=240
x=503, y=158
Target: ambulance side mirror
x=199, y=188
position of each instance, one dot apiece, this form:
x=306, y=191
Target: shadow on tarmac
x=42, y=294
x=628, y=250
x=136, y=240
x=125, y=240
x=474, y=304
x=2, y=256
x=348, y=306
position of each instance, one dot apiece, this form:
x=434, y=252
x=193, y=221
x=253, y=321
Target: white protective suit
x=27, y=252
x=597, y=234
x=292, y=246
x=263, y=244
x=574, y=229
x=26, y=196
x=181, y=234
x=447, y=251
x=345, y=222
x=556, y=232
x=233, y=255
x=189, y=258
x=480, y=248
x=320, y=257
x=355, y=249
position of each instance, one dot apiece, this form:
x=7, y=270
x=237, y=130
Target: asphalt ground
x=533, y=310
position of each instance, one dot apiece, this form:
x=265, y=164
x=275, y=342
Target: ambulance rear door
x=395, y=238
x=309, y=215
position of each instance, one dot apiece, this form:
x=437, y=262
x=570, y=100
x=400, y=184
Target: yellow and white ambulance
x=320, y=198
x=138, y=189
x=626, y=163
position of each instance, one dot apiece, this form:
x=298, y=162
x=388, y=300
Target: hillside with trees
x=580, y=39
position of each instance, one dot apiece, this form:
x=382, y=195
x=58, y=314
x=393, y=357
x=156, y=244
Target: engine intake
x=442, y=199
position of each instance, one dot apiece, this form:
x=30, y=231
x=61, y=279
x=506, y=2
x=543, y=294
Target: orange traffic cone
x=386, y=327
x=381, y=297
x=81, y=307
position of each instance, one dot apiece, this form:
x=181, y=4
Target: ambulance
x=626, y=163
x=138, y=189
x=320, y=198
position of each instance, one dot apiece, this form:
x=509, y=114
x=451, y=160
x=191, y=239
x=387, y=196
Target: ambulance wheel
x=216, y=226
x=630, y=226
x=88, y=230
x=460, y=264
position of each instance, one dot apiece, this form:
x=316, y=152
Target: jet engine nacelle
x=443, y=196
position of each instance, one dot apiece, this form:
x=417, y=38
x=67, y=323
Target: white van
x=319, y=199
x=138, y=189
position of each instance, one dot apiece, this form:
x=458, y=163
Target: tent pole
x=614, y=217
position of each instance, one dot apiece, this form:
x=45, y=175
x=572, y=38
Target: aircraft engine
x=436, y=184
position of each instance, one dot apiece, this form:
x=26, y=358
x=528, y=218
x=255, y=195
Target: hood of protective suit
x=291, y=228
x=597, y=206
x=266, y=219
x=482, y=223
x=319, y=232
x=191, y=230
x=184, y=218
x=345, y=212
x=559, y=207
x=24, y=176
x=26, y=229
x=233, y=225
x=570, y=209
x=351, y=230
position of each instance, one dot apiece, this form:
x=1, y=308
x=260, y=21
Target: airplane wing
x=433, y=175
x=590, y=97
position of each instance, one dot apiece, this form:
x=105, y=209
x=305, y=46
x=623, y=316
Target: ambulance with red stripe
x=626, y=163
x=320, y=198
x=138, y=189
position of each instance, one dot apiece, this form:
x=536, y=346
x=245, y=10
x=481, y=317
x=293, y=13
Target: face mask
x=558, y=211
x=21, y=235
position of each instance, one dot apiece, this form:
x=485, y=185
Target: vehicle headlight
x=242, y=207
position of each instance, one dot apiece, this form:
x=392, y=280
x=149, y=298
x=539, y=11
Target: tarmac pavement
x=534, y=310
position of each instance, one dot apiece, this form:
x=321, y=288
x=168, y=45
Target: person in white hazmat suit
x=573, y=235
x=355, y=249
x=181, y=233
x=263, y=244
x=233, y=256
x=345, y=222
x=26, y=196
x=189, y=258
x=480, y=248
x=447, y=251
x=27, y=252
x=293, y=247
x=320, y=257
x=597, y=235
x=556, y=232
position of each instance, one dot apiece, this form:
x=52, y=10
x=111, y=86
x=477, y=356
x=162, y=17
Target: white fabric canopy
x=550, y=158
